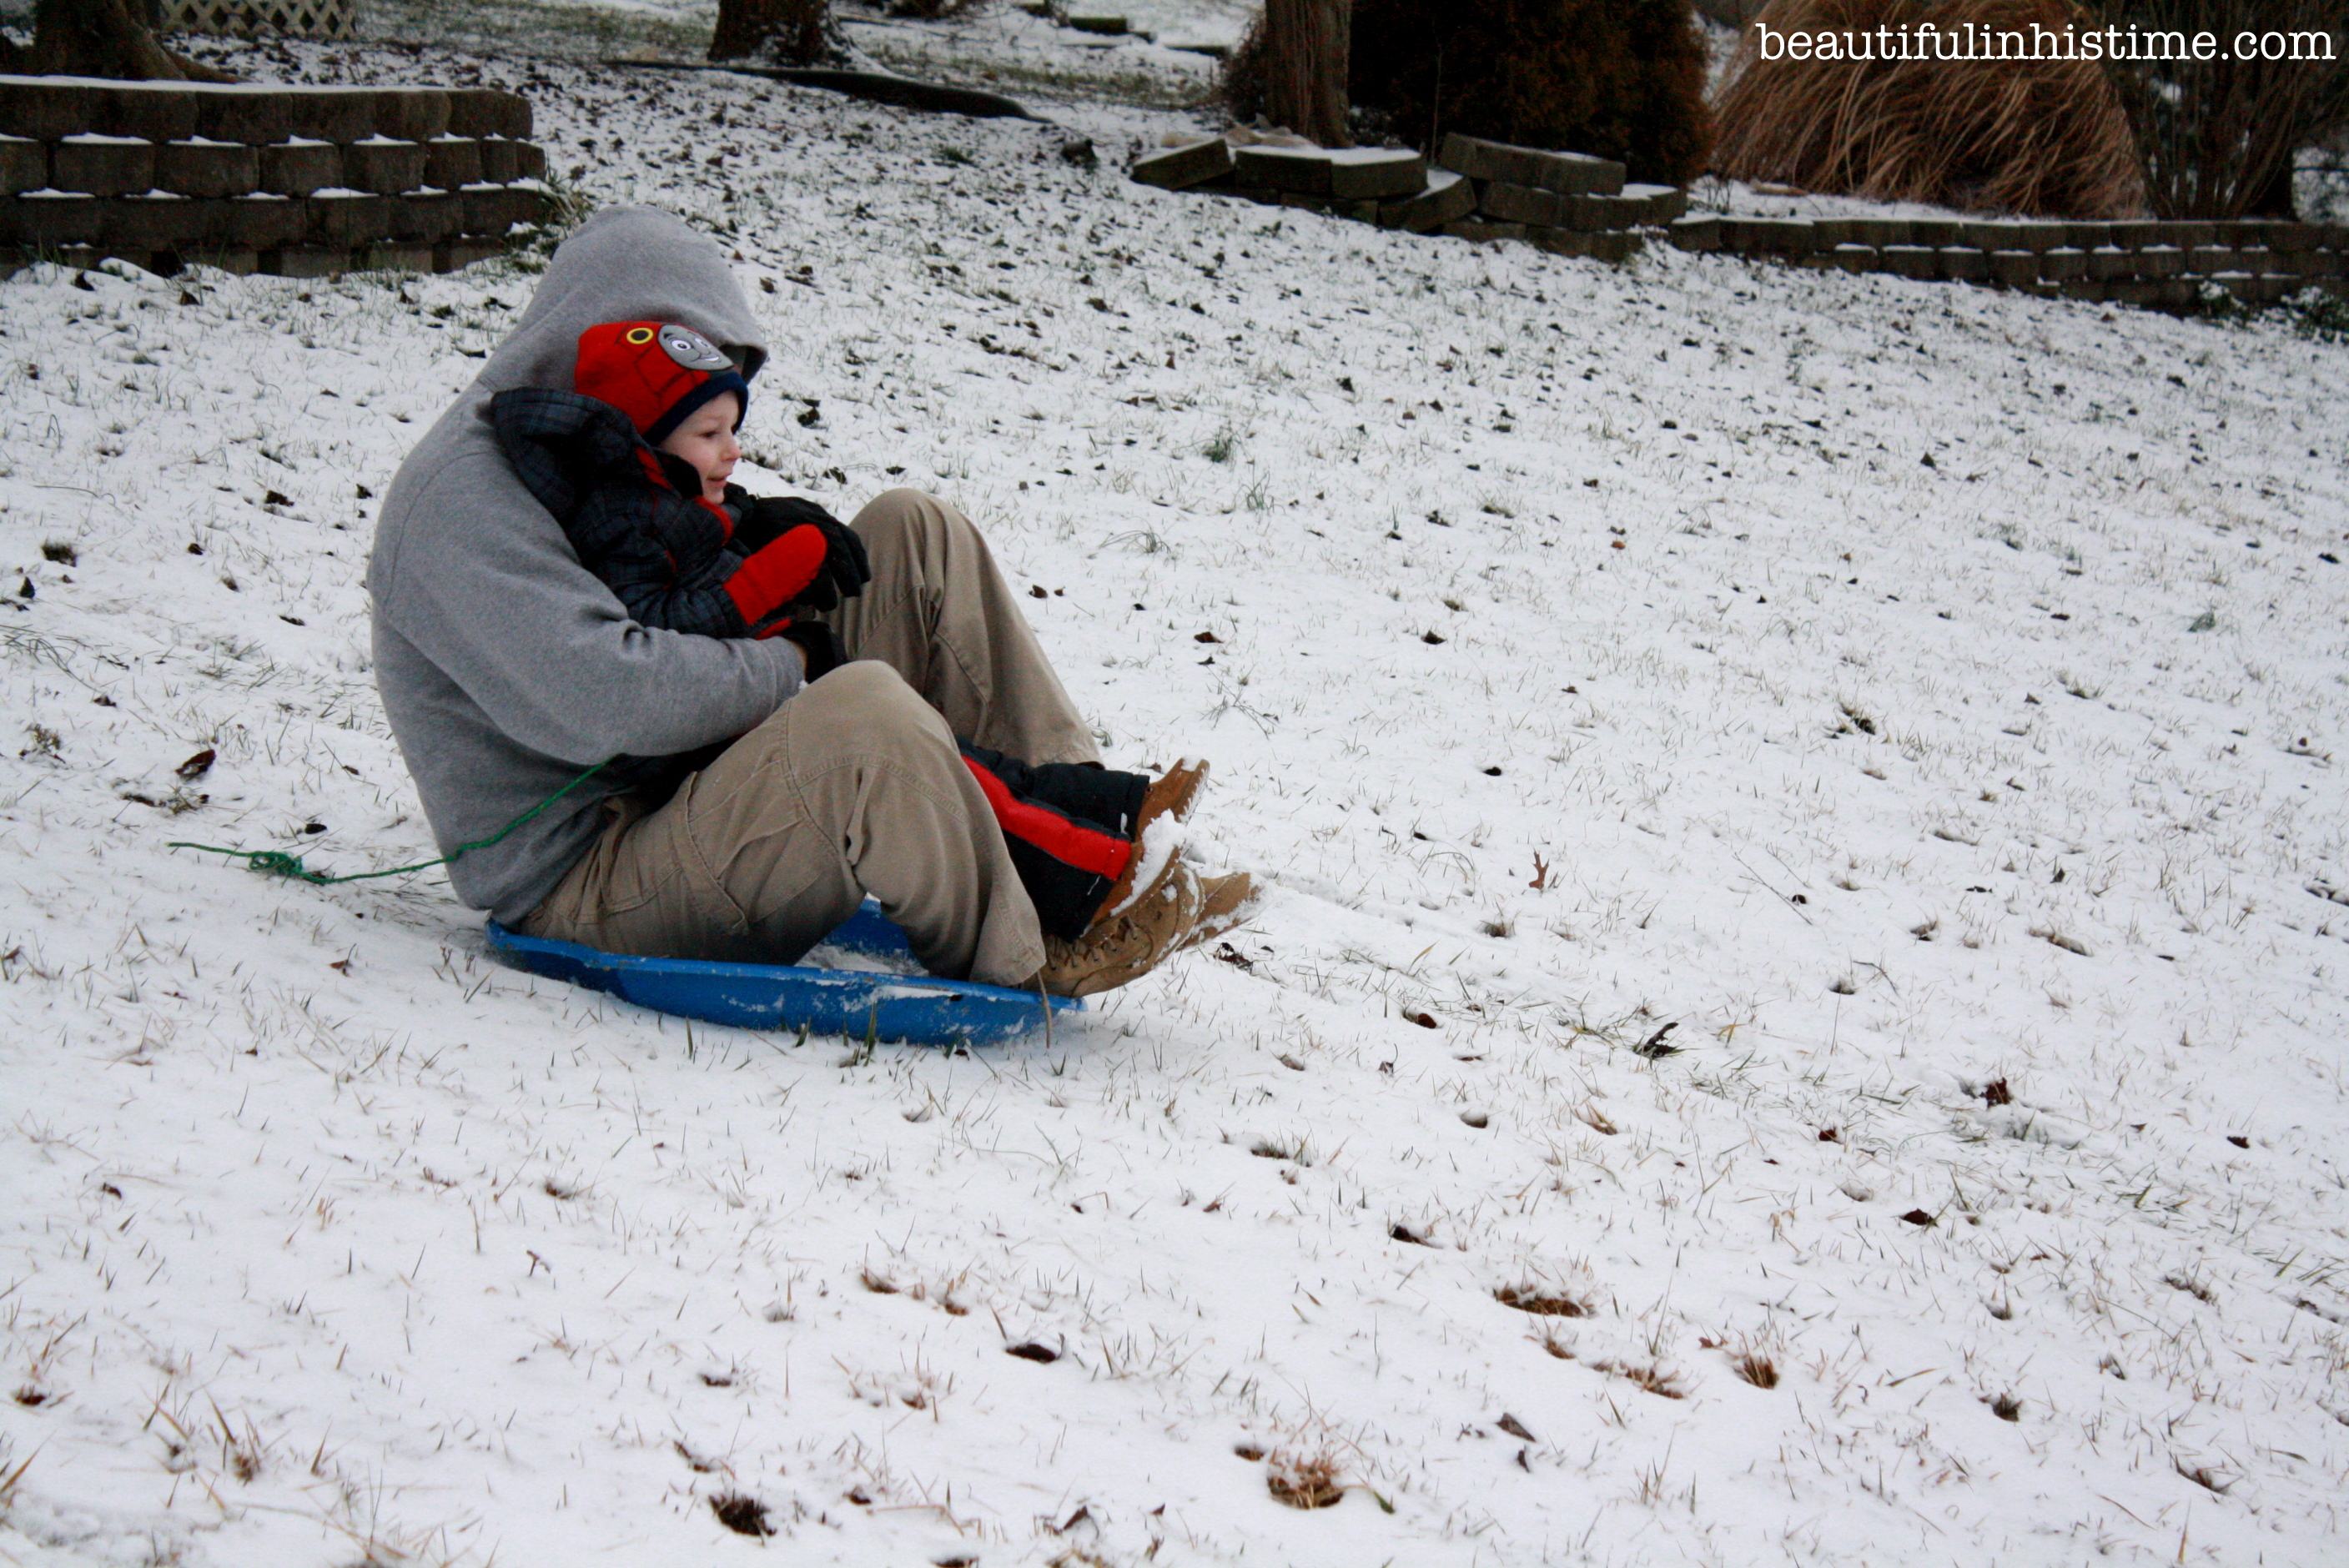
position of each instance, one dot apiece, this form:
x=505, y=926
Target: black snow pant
x=1069, y=826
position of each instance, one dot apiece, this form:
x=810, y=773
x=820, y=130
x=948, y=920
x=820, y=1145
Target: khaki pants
x=855, y=786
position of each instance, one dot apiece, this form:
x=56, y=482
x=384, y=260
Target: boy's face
x=706, y=439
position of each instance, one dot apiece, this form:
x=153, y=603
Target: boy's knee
x=907, y=515
x=866, y=697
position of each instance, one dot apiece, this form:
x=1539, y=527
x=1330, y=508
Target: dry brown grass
x=1304, y=1480
x=2042, y=136
x=1541, y=1301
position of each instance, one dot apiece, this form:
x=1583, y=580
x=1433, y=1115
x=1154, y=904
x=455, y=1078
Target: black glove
x=815, y=640
x=845, y=570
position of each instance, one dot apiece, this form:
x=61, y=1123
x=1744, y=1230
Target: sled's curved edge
x=916, y=1008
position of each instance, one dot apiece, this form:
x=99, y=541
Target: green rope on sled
x=278, y=863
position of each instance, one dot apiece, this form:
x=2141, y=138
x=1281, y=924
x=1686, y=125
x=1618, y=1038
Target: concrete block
x=255, y=115
x=260, y=222
x=393, y=257
x=1376, y=173
x=529, y=160
x=1700, y=233
x=2082, y=289
x=1854, y=258
x=1483, y=233
x=411, y=114
x=207, y=169
x=2212, y=259
x=2249, y=287
x=158, y=222
x=493, y=209
x=1569, y=173
x=241, y=263
x=2140, y=292
x=102, y=165
x=450, y=255
x=1936, y=232
x=307, y=260
x=1659, y=203
x=44, y=108
x=1508, y=204
x=1170, y=168
x=452, y=160
x=1305, y=170
x=2088, y=236
x=1963, y=264
x=298, y=167
x=2015, y=269
x=1780, y=236
x=151, y=111
x=1920, y=261
x=1296, y=201
x=2063, y=265
x=1830, y=233
x=1879, y=231
x=48, y=221
x=331, y=114
x=2293, y=237
x=383, y=166
x=2107, y=263
x=84, y=257
x=1447, y=199
x=2177, y=293
x=24, y=165
x=2187, y=235
x=2160, y=262
x=427, y=217
x=1606, y=211
x=1616, y=246
x=341, y=220
x=485, y=113
x=501, y=159
x=2135, y=234
x=1572, y=243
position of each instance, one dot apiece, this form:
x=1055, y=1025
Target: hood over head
x=625, y=263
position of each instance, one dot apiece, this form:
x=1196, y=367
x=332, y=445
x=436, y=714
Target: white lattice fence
x=244, y=18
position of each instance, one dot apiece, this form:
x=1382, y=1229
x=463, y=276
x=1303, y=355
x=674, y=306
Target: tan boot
x=1170, y=794
x=1119, y=948
x=1225, y=902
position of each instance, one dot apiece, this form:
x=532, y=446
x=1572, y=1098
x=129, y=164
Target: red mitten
x=777, y=573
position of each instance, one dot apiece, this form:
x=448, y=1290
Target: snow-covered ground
x=1923, y=707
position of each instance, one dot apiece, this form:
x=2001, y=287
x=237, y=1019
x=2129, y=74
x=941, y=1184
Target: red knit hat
x=655, y=372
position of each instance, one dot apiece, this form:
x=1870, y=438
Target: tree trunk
x=112, y=38
x=786, y=32
x=1306, y=46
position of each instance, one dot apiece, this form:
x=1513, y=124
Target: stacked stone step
x=1566, y=202
x=2163, y=265
x=1484, y=190
x=298, y=181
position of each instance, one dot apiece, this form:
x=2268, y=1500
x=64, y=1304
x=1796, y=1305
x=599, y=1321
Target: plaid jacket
x=635, y=516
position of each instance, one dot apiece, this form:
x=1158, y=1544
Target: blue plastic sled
x=912, y=1007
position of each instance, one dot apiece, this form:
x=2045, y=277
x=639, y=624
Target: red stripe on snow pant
x=1069, y=842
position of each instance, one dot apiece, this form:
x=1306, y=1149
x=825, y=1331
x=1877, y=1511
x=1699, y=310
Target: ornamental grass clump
x=2041, y=137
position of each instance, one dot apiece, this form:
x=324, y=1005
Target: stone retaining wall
x=1566, y=203
x=263, y=178
x=1574, y=205
x=2164, y=266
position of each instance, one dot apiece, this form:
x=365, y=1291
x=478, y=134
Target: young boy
x=635, y=464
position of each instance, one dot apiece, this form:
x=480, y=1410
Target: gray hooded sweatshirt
x=505, y=666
